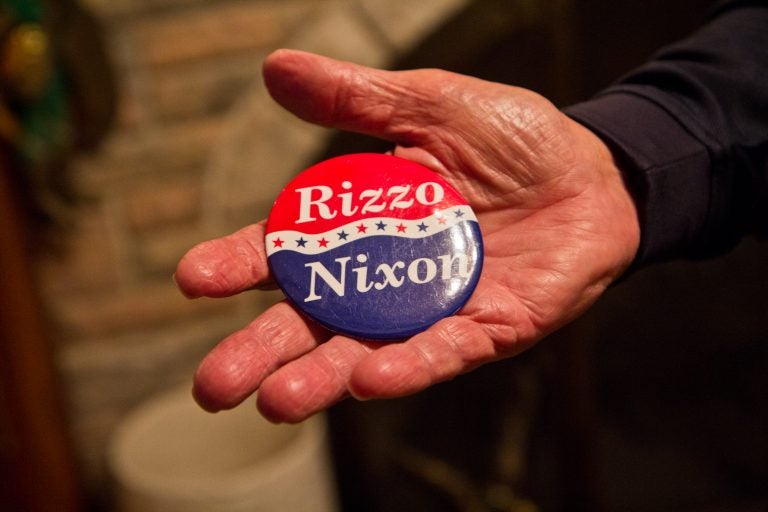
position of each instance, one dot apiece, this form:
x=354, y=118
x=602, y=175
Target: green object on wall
x=34, y=92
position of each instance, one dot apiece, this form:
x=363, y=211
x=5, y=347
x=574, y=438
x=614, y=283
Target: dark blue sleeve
x=689, y=130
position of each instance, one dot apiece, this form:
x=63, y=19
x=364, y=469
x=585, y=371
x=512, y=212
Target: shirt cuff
x=665, y=168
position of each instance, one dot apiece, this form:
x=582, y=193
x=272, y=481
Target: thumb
x=393, y=105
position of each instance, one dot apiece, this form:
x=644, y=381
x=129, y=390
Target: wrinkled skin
x=557, y=222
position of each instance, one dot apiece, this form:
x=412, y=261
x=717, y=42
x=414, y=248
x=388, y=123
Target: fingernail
x=357, y=395
x=182, y=290
x=202, y=402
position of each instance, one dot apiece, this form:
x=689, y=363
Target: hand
x=558, y=227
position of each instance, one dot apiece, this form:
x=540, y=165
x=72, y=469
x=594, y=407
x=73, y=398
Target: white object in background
x=170, y=456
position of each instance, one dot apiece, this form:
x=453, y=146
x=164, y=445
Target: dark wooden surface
x=37, y=469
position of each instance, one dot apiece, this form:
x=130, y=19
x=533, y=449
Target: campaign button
x=374, y=246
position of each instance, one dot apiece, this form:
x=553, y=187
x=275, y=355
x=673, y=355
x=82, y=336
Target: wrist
x=616, y=204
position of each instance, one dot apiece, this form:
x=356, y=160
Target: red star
x=361, y=228
x=400, y=228
x=277, y=242
x=441, y=220
x=323, y=242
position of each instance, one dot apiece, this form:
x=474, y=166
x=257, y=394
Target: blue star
x=380, y=226
x=422, y=227
x=342, y=235
x=301, y=242
x=458, y=213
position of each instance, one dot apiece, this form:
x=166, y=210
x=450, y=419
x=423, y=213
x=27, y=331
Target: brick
x=83, y=260
x=405, y=22
x=156, y=204
x=340, y=32
x=107, y=9
x=256, y=158
x=158, y=252
x=118, y=371
x=130, y=111
x=140, y=308
x=203, y=87
x=128, y=158
x=213, y=29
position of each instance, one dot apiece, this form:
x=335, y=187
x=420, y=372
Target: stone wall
x=198, y=150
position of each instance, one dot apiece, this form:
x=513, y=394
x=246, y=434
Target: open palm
x=557, y=223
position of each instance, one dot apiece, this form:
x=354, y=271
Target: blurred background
x=134, y=129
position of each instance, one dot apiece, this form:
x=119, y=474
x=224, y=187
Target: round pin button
x=374, y=246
